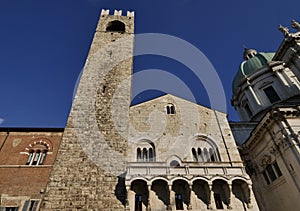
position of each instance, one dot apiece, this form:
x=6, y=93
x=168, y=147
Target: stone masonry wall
x=88, y=173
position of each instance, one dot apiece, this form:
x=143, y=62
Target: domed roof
x=251, y=65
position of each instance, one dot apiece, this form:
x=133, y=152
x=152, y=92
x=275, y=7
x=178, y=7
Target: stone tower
x=88, y=172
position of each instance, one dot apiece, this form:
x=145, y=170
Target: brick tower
x=89, y=170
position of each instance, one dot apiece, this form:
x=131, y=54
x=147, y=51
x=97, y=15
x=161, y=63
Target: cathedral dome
x=253, y=62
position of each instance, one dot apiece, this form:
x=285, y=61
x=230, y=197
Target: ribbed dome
x=249, y=66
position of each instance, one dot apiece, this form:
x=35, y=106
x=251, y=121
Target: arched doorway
x=200, y=195
x=138, y=195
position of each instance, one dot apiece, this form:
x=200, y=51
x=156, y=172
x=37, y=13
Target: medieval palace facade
x=166, y=153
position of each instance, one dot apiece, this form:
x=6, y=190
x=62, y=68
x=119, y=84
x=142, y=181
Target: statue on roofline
x=284, y=30
x=296, y=25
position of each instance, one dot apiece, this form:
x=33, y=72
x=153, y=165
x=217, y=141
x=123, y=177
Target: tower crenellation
x=105, y=12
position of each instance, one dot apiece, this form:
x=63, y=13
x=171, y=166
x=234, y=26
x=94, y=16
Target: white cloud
x=1, y=121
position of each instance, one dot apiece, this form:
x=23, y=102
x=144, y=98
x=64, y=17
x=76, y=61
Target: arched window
x=206, y=156
x=194, y=155
x=38, y=152
x=212, y=155
x=115, y=26
x=150, y=154
x=200, y=156
x=138, y=154
x=36, y=158
x=206, y=151
x=31, y=154
x=145, y=155
x=170, y=109
x=174, y=163
x=145, y=151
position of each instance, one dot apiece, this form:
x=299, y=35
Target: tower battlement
x=117, y=13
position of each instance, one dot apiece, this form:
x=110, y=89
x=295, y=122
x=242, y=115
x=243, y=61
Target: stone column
x=149, y=198
x=190, y=195
x=229, y=197
x=211, y=196
x=249, y=204
x=127, y=207
x=253, y=95
x=169, y=206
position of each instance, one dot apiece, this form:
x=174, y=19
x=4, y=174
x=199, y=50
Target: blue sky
x=44, y=44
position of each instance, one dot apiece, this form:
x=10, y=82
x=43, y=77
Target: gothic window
x=271, y=94
x=170, y=109
x=138, y=203
x=272, y=172
x=178, y=202
x=115, y=26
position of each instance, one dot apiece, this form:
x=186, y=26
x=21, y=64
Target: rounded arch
x=180, y=178
x=115, y=26
x=199, y=179
x=146, y=148
x=160, y=178
x=241, y=179
x=173, y=158
x=220, y=178
x=42, y=144
x=144, y=141
x=206, y=148
x=136, y=179
x=201, y=137
x=170, y=108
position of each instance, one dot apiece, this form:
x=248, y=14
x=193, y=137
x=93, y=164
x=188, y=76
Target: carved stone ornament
x=273, y=150
x=266, y=159
x=284, y=30
x=296, y=25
